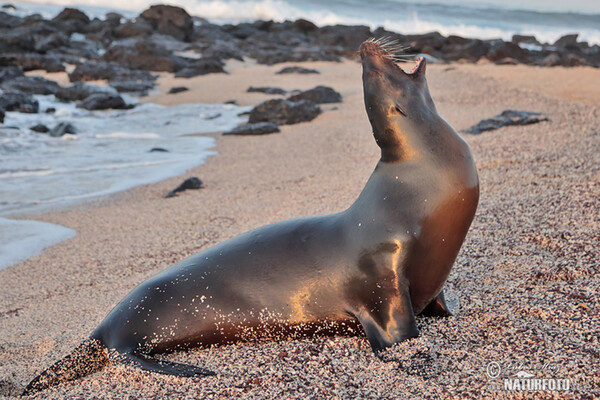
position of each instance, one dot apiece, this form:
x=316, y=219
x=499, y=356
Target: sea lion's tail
x=90, y=356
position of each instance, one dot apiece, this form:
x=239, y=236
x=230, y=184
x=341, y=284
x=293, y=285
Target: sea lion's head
x=398, y=103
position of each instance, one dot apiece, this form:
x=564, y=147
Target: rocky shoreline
x=125, y=52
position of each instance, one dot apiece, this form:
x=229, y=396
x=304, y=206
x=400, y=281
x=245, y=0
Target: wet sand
x=526, y=279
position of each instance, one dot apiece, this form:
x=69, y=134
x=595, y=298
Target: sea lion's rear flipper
x=90, y=356
x=148, y=363
x=437, y=307
x=388, y=324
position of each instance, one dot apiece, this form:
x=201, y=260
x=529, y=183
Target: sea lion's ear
x=419, y=69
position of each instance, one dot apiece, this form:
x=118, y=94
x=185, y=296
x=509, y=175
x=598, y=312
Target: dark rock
x=80, y=91
x=297, y=70
x=133, y=28
x=95, y=70
x=258, y=128
x=471, y=51
x=518, y=39
x=266, y=90
x=74, y=19
x=125, y=85
x=420, y=43
x=114, y=18
x=507, y=49
x=189, y=183
x=41, y=128
x=346, y=38
x=158, y=150
x=32, y=61
x=62, y=129
x=102, y=101
x=8, y=6
x=241, y=31
x=566, y=41
x=72, y=14
x=53, y=41
x=201, y=66
x=178, y=89
x=8, y=21
x=454, y=40
x=20, y=102
x=222, y=50
x=16, y=41
x=145, y=55
x=10, y=72
x=283, y=112
x=507, y=118
x=319, y=95
x=30, y=85
x=573, y=60
x=170, y=20
x=305, y=26
x=2, y=113
x=50, y=110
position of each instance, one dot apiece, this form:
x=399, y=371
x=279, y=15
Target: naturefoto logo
x=519, y=377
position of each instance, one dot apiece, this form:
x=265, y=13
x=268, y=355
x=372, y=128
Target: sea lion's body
x=380, y=262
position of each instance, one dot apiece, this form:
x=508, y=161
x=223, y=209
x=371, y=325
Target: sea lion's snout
x=370, y=48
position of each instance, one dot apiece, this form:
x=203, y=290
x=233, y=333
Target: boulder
x=18, y=101
x=507, y=118
x=507, y=50
x=566, y=41
x=30, y=85
x=80, y=91
x=189, y=183
x=73, y=19
x=297, y=70
x=170, y=20
x=62, y=129
x=266, y=90
x=40, y=128
x=135, y=28
x=346, y=38
x=319, y=95
x=32, y=61
x=16, y=41
x=94, y=70
x=178, y=89
x=8, y=20
x=281, y=112
x=50, y=42
x=258, y=128
x=472, y=51
x=201, y=66
x=131, y=85
x=145, y=55
x=102, y=101
x=10, y=72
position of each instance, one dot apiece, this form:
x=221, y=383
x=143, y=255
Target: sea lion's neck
x=429, y=137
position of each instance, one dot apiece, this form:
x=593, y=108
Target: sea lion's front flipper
x=388, y=324
x=437, y=307
x=148, y=363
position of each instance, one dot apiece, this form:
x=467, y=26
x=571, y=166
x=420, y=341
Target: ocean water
x=110, y=152
x=484, y=19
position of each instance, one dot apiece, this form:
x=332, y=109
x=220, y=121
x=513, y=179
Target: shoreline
x=52, y=301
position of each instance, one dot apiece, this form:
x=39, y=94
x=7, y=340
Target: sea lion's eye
x=398, y=110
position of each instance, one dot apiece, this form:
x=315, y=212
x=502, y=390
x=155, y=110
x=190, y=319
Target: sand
x=524, y=287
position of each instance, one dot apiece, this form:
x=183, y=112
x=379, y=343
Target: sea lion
x=377, y=264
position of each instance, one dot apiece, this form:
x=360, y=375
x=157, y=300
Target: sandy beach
x=525, y=283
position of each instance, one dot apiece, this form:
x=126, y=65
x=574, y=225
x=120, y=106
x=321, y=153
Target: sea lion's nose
x=369, y=49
